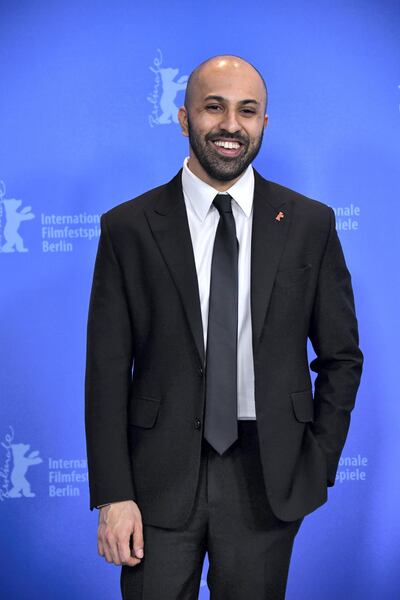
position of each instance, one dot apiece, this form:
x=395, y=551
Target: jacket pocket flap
x=303, y=405
x=143, y=411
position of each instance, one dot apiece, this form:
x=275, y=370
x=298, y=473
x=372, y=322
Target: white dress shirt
x=203, y=220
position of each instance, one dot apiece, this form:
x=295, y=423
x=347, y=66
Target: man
x=203, y=433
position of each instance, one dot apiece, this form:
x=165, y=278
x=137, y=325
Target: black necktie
x=220, y=428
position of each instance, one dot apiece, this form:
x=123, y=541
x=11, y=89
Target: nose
x=229, y=121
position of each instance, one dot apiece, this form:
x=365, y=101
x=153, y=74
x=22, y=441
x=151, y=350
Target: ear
x=183, y=120
x=265, y=120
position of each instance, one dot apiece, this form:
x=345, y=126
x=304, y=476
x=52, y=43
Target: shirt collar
x=201, y=195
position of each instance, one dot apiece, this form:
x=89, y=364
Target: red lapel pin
x=279, y=216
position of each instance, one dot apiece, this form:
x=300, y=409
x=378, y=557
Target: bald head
x=224, y=117
x=225, y=67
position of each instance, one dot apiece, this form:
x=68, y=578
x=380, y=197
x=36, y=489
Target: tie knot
x=222, y=203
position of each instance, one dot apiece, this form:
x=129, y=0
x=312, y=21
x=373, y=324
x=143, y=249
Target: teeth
x=230, y=145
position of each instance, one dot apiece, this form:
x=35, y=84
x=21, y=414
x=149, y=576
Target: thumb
x=138, y=539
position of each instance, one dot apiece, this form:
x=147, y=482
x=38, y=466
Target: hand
x=117, y=522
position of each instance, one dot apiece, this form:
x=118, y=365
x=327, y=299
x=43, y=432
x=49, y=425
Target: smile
x=228, y=148
x=227, y=144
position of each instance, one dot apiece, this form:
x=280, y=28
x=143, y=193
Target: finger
x=125, y=554
x=132, y=561
x=100, y=547
x=124, y=549
x=115, y=554
x=111, y=546
x=107, y=554
x=100, y=540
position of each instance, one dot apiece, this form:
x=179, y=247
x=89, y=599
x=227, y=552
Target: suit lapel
x=267, y=243
x=169, y=224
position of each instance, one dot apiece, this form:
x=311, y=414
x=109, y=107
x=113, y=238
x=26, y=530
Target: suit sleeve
x=338, y=362
x=109, y=357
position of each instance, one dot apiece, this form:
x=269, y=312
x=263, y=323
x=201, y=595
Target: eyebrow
x=222, y=99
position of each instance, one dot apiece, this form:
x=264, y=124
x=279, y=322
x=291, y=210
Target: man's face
x=225, y=121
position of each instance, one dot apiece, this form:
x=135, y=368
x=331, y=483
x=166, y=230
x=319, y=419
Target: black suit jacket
x=145, y=370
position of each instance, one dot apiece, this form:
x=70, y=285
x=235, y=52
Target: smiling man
x=203, y=431
x=225, y=132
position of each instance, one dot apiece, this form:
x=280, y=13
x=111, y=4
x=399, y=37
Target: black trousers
x=248, y=548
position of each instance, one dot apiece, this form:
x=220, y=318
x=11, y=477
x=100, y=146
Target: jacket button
x=201, y=371
x=197, y=423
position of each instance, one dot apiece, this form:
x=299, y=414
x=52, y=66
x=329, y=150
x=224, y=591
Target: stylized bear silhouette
x=13, y=222
x=20, y=467
x=170, y=90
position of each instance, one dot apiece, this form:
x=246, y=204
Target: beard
x=218, y=167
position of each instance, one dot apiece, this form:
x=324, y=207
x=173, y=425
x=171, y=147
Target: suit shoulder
x=133, y=208
x=299, y=201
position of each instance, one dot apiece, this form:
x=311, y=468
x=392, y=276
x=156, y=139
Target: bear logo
x=170, y=88
x=13, y=221
x=22, y=461
x=164, y=92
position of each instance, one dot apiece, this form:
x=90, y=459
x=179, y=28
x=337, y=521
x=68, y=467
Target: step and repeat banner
x=88, y=119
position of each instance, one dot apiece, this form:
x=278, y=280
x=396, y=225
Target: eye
x=248, y=111
x=213, y=107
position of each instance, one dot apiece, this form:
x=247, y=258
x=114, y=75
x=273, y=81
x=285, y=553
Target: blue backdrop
x=89, y=93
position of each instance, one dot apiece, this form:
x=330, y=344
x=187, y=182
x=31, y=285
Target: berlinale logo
x=10, y=220
x=14, y=482
x=165, y=90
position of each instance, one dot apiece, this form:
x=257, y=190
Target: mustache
x=226, y=135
